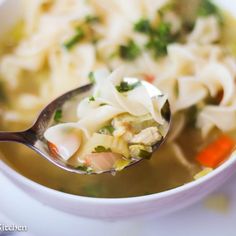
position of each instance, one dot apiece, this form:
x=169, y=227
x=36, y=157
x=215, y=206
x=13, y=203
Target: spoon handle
x=12, y=137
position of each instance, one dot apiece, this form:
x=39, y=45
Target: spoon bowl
x=34, y=136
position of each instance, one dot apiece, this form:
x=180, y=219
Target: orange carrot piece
x=53, y=149
x=216, y=152
x=149, y=78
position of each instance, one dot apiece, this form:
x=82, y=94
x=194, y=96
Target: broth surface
x=162, y=172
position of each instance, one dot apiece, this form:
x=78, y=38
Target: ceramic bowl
x=116, y=208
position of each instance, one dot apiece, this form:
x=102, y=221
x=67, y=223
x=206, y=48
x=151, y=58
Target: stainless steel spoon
x=34, y=136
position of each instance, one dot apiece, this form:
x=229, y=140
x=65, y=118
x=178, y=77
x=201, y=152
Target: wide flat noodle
x=130, y=101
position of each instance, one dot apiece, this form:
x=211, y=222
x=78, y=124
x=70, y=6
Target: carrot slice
x=216, y=152
x=149, y=78
x=53, y=149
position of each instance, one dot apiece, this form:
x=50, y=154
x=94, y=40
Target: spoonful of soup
x=106, y=126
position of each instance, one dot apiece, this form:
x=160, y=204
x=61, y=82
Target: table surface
x=17, y=207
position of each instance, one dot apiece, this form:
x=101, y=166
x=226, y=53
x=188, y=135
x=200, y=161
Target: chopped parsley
x=102, y=104
x=144, y=154
x=92, y=19
x=160, y=39
x=108, y=130
x=87, y=169
x=130, y=51
x=101, y=149
x=158, y=36
x=91, y=77
x=125, y=87
x=207, y=8
x=92, y=98
x=143, y=26
x=58, y=115
x=76, y=38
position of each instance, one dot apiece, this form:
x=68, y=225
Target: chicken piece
x=148, y=136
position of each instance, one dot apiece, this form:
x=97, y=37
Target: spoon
x=34, y=136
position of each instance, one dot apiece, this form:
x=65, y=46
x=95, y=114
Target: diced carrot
x=53, y=149
x=216, y=152
x=149, y=78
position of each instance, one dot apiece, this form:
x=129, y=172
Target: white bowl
x=116, y=208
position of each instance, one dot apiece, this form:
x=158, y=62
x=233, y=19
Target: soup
x=188, y=57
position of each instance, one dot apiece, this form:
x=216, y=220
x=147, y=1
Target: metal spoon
x=34, y=136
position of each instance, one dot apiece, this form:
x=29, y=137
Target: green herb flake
x=207, y=8
x=58, y=115
x=102, y=104
x=143, y=26
x=91, y=77
x=76, y=38
x=125, y=87
x=92, y=19
x=108, y=130
x=144, y=154
x=160, y=39
x=87, y=169
x=140, y=151
x=163, y=30
x=130, y=51
x=158, y=46
x=99, y=149
x=91, y=99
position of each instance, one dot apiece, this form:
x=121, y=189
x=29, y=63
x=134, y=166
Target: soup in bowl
x=190, y=57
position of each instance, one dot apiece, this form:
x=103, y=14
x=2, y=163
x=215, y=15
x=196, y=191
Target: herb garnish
x=77, y=37
x=160, y=39
x=87, y=169
x=143, y=26
x=92, y=19
x=58, y=115
x=144, y=154
x=91, y=77
x=207, y=8
x=158, y=36
x=130, y=51
x=101, y=149
x=108, y=130
x=102, y=104
x=125, y=87
x=92, y=98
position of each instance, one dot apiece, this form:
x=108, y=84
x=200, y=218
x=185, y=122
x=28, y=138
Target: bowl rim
x=9, y=171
